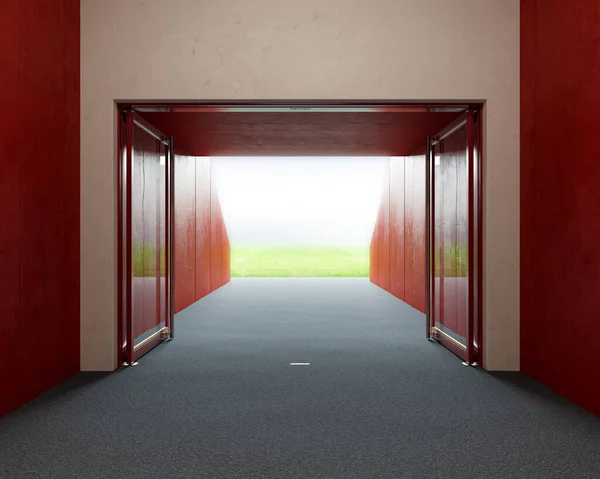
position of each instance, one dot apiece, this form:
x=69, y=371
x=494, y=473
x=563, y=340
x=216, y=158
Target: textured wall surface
x=560, y=204
x=339, y=49
x=216, y=239
x=185, y=231
x=400, y=232
x=203, y=231
x=39, y=197
x=414, y=229
x=397, y=230
x=201, y=242
x=383, y=233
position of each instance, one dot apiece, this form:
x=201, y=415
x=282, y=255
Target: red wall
x=560, y=200
x=383, y=234
x=185, y=231
x=201, y=242
x=374, y=255
x=39, y=197
x=203, y=233
x=216, y=240
x=225, y=255
x=397, y=229
x=398, y=243
x=414, y=229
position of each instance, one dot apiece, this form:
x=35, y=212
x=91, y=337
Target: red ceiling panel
x=299, y=133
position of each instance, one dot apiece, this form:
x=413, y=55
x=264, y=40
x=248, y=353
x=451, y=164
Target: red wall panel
x=202, y=252
x=374, y=254
x=39, y=197
x=216, y=239
x=398, y=243
x=10, y=228
x=384, y=233
x=560, y=205
x=225, y=255
x=203, y=255
x=185, y=231
x=409, y=249
x=419, y=265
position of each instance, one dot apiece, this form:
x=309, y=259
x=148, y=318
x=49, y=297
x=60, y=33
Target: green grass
x=299, y=261
x=456, y=261
x=144, y=260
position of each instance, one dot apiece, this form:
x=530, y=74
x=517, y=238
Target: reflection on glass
x=148, y=236
x=451, y=259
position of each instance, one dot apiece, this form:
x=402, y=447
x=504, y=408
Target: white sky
x=308, y=200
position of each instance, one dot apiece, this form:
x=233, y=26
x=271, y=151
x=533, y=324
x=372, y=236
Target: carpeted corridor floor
x=376, y=401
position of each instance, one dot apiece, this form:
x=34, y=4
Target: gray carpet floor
x=377, y=401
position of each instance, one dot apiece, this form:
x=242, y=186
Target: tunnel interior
x=398, y=250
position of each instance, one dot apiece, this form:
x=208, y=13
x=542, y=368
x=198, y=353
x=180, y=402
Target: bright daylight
x=299, y=217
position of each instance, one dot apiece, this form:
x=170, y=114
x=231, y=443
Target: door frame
x=471, y=106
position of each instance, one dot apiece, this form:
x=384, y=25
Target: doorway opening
x=299, y=217
x=426, y=246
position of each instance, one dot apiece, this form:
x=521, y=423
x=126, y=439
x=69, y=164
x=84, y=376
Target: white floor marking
x=299, y=364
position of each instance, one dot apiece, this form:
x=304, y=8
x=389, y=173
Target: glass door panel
x=454, y=234
x=145, y=203
x=147, y=191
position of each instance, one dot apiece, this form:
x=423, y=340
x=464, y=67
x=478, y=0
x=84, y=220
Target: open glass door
x=145, y=237
x=454, y=237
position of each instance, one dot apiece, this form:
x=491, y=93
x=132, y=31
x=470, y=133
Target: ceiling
x=260, y=133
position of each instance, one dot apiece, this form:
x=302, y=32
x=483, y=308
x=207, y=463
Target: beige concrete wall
x=294, y=49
